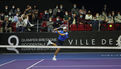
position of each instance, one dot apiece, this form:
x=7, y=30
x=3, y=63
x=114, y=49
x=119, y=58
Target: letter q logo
x=12, y=44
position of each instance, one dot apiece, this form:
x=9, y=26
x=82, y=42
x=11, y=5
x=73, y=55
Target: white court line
x=7, y=63
x=72, y=53
x=34, y=64
x=107, y=59
x=81, y=66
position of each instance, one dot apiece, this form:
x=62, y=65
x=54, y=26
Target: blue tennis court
x=84, y=60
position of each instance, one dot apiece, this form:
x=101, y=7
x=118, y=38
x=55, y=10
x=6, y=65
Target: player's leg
x=59, y=43
x=56, y=52
x=58, y=49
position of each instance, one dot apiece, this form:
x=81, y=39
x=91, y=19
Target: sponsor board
x=75, y=39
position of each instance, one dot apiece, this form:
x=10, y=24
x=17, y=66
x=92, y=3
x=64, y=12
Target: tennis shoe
x=49, y=42
x=54, y=58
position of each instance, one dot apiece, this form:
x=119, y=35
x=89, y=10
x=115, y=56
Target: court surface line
x=35, y=64
x=80, y=66
x=76, y=59
x=7, y=62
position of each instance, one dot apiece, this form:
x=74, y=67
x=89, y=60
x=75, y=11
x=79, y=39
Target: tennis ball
x=110, y=25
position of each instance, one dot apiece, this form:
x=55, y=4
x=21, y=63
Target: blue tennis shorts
x=60, y=43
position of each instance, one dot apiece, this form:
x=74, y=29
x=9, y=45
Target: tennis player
x=63, y=35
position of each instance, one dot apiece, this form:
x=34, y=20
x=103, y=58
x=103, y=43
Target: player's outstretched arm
x=59, y=32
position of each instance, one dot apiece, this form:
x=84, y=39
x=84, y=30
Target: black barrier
x=75, y=39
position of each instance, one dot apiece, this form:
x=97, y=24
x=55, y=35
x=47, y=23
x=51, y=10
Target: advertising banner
x=107, y=38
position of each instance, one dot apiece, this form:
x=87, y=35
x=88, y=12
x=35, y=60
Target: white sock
x=54, y=56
